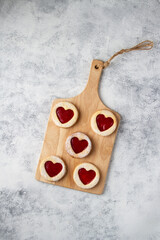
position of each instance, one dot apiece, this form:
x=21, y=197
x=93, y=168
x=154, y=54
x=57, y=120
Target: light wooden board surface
x=87, y=103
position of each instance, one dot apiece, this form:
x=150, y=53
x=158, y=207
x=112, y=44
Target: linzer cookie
x=103, y=122
x=64, y=114
x=86, y=175
x=52, y=168
x=78, y=145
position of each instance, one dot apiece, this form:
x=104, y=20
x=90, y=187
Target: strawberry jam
x=104, y=123
x=78, y=145
x=86, y=176
x=52, y=169
x=64, y=115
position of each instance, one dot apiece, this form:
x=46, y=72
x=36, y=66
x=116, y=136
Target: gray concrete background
x=46, y=49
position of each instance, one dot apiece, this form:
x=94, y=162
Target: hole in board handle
x=96, y=67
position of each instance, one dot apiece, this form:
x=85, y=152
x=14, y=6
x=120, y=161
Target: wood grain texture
x=87, y=103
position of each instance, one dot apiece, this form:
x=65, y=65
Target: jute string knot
x=145, y=45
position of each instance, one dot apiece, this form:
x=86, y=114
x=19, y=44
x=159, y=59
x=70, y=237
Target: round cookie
x=86, y=175
x=52, y=168
x=103, y=122
x=78, y=145
x=64, y=114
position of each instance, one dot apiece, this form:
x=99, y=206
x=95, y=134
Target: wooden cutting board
x=87, y=103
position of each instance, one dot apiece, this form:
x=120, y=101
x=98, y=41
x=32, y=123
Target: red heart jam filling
x=78, y=145
x=104, y=123
x=64, y=115
x=86, y=176
x=53, y=168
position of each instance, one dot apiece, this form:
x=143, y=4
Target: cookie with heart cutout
x=78, y=145
x=64, y=114
x=86, y=175
x=52, y=168
x=103, y=122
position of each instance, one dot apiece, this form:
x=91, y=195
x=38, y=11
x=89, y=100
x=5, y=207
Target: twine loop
x=145, y=45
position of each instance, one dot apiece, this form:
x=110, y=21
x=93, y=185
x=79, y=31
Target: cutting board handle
x=97, y=66
x=94, y=77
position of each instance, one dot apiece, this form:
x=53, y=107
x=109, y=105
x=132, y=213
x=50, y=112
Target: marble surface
x=46, y=49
